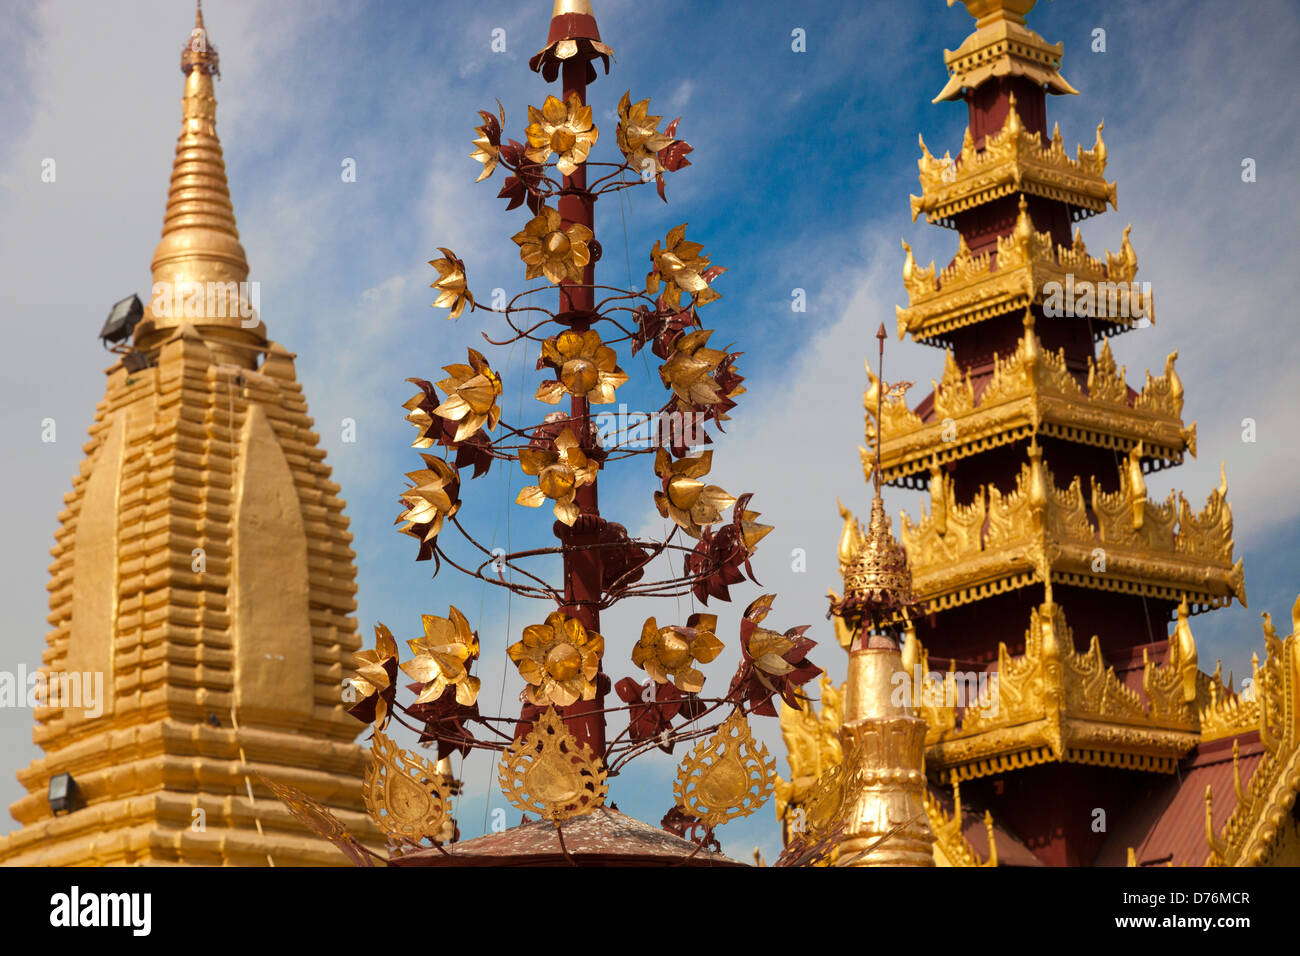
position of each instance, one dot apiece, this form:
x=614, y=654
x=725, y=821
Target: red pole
x=582, y=562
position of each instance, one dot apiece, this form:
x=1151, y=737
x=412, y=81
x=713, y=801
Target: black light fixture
x=134, y=361
x=62, y=794
x=121, y=320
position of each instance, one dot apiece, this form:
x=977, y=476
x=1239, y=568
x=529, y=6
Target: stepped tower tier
x=203, y=579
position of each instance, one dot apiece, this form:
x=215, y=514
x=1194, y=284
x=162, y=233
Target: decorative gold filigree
x=1261, y=828
x=728, y=776
x=1031, y=389
x=1012, y=160
x=549, y=773
x=948, y=835
x=1055, y=703
x=1028, y=269
x=812, y=745
x=1126, y=542
x=873, y=564
x=405, y=795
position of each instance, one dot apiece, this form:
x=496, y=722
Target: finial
x=1024, y=225
x=1013, y=122
x=1187, y=652
x=1137, y=486
x=1217, y=847
x=938, y=497
x=880, y=398
x=989, y=12
x=993, y=843
x=199, y=54
x=878, y=581
x=1037, y=480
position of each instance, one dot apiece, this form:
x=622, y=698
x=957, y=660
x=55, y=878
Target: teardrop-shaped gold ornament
x=727, y=776
x=549, y=773
x=404, y=794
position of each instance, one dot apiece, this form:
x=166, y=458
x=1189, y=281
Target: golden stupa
x=202, y=566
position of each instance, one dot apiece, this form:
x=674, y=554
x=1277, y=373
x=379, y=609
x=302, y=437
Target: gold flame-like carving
x=405, y=795
x=727, y=776
x=549, y=773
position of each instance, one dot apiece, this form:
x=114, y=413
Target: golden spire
x=877, y=577
x=200, y=256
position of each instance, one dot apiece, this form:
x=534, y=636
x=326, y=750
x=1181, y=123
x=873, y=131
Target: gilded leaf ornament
x=549, y=773
x=727, y=776
x=404, y=794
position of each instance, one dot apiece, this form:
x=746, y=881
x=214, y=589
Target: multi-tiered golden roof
x=1034, y=451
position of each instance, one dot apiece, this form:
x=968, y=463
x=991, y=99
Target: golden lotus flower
x=452, y=290
x=441, y=656
x=560, y=473
x=472, y=392
x=418, y=415
x=586, y=365
x=687, y=500
x=690, y=367
x=681, y=268
x=373, y=682
x=487, y=147
x=561, y=128
x=559, y=660
x=670, y=653
x=638, y=136
x=434, y=495
x=548, y=250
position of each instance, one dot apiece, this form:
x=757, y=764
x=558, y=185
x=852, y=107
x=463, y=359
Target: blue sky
x=802, y=167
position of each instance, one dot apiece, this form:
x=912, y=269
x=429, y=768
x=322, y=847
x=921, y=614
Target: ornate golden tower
x=863, y=804
x=1071, y=708
x=202, y=567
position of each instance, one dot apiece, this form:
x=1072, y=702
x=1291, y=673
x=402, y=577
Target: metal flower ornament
x=565, y=726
